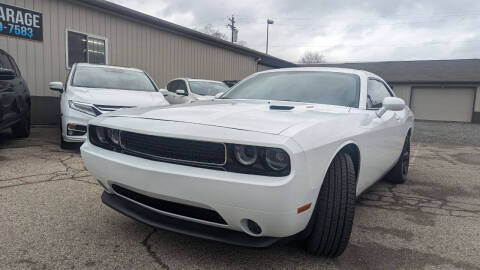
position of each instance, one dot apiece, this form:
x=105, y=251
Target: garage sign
x=20, y=22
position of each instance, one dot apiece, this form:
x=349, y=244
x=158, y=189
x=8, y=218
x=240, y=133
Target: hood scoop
x=281, y=108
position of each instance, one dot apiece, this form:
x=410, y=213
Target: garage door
x=443, y=104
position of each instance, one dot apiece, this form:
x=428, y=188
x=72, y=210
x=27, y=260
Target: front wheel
x=22, y=128
x=398, y=174
x=332, y=218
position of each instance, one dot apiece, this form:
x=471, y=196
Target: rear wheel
x=22, y=128
x=398, y=174
x=332, y=219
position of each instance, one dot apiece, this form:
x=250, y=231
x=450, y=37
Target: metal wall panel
x=162, y=54
x=263, y=68
x=403, y=91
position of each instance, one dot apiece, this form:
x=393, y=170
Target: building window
x=84, y=48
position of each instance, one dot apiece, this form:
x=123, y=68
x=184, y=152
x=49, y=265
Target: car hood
x=199, y=97
x=243, y=115
x=116, y=97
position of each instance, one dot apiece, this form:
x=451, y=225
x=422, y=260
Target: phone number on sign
x=17, y=30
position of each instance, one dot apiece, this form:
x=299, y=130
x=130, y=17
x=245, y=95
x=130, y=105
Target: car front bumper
x=164, y=222
x=272, y=202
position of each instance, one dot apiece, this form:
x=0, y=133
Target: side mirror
x=6, y=74
x=56, y=86
x=219, y=95
x=181, y=92
x=391, y=104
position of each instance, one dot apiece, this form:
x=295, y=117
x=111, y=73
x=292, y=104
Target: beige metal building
x=98, y=31
x=437, y=90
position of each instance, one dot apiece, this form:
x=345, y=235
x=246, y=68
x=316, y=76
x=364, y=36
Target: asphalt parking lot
x=51, y=216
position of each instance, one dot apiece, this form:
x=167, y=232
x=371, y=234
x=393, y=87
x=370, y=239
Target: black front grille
x=171, y=207
x=173, y=149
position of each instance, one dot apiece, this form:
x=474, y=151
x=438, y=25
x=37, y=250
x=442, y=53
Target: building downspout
x=256, y=62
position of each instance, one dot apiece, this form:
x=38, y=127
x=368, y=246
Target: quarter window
x=84, y=48
x=376, y=92
x=15, y=66
x=5, y=63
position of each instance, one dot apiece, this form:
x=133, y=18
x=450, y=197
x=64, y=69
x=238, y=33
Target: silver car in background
x=185, y=90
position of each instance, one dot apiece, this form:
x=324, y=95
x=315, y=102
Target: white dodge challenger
x=282, y=155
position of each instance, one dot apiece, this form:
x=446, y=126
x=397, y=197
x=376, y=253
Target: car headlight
x=104, y=137
x=114, y=136
x=276, y=159
x=101, y=134
x=257, y=160
x=245, y=154
x=82, y=107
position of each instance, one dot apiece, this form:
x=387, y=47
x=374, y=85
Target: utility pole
x=269, y=21
x=231, y=25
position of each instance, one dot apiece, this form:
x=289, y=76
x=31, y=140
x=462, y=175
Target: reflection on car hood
x=115, y=97
x=199, y=97
x=244, y=115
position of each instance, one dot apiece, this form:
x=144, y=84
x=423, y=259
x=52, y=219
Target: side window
x=15, y=66
x=172, y=86
x=182, y=85
x=5, y=63
x=376, y=92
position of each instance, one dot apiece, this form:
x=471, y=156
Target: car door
x=9, y=104
x=383, y=139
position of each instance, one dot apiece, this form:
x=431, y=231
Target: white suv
x=92, y=90
x=184, y=90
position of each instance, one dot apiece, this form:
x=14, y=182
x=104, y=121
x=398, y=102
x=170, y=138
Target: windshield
x=300, y=86
x=112, y=78
x=205, y=88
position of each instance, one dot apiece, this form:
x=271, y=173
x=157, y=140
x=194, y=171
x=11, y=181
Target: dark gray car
x=15, y=101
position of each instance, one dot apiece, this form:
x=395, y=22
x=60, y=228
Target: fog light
x=76, y=130
x=253, y=227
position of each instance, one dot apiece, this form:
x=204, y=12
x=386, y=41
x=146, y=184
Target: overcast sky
x=343, y=31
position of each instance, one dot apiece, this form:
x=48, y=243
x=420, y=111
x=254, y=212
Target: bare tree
x=310, y=57
x=209, y=30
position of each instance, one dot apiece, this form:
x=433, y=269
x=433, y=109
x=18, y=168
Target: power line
x=353, y=24
x=260, y=20
x=369, y=45
x=469, y=13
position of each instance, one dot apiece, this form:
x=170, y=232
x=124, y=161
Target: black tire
x=22, y=128
x=398, y=174
x=333, y=215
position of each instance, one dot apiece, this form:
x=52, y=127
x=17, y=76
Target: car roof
x=107, y=66
x=324, y=69
x=202, y=80
x=196, y=80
